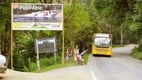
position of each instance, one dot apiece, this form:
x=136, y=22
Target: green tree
x=5, y=29
x=136, y=25
x=75, y=19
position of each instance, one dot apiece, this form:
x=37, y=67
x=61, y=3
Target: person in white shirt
x=76, y=52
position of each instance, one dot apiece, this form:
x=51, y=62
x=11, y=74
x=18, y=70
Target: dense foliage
x=136, y=54
x=5, y=29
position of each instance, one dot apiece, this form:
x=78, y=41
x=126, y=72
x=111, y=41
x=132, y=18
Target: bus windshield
x=102, y=42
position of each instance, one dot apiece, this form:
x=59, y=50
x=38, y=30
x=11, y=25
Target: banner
x=32, y=16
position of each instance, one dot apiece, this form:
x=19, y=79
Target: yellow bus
x=102, y=44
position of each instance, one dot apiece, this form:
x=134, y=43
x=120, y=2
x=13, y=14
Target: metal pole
x=38, y=63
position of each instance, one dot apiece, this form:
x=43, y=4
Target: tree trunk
x=19, y=0
x=68, y=1
x=5, y=46
x=41, y=1
x=72, y=43
x=51, y=1
x=45, y=1
x=5, y=38
x=13, y=1
x=9, y=54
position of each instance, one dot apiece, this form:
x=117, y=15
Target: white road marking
x=94, y=78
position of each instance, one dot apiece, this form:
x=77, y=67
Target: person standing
x=69, y=51
x=76, y=52
x=68, y=54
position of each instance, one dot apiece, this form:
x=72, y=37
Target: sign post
x=55, y=49
x=63, y=47
x=45, y=45
x=11, y=50
x=37, y=52
x=36, y=16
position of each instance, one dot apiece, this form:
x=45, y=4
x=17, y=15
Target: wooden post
x=63, y=41
x=55, y=49
x=11, y=41
x=63, y=47
x=11, y=49
x=55, y=57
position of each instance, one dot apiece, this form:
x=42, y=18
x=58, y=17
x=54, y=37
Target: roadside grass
x=86, y=57
x=52, y=67
x=56, y=66
x=135, y=54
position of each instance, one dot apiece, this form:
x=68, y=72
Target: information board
x=33, y=16
x=45, y=45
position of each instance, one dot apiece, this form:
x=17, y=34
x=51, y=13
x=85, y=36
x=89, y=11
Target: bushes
x=140, y=45
x=86, y=57
x=136, y=53
x=32, y=66
x=44, y=62
x=24, y=56
x=18, y=62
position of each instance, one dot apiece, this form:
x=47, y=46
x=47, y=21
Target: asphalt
x=118, y=67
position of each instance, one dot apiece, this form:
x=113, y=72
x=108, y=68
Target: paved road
x=69, y=73
x=119, y=67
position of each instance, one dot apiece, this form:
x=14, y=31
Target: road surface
x=119, y=67
x=69, y=73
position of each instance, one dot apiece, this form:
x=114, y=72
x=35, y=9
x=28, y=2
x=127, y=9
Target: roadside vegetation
x=82, y=18
x=137, y=51
x=136, y=54
x=46, y=62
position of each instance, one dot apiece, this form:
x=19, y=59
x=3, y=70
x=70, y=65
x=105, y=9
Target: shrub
x=44, y=62
x=18, y=61
x=140, y=45
x=32, y=66
x=134, y=50
x=136, y=54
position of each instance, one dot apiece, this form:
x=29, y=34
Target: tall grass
x=32, y=66
x=44, y=62
x=47, y=64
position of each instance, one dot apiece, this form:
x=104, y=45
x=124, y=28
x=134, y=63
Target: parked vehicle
x=3, y=65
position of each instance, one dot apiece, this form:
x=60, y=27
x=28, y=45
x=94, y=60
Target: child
x=68, y=54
